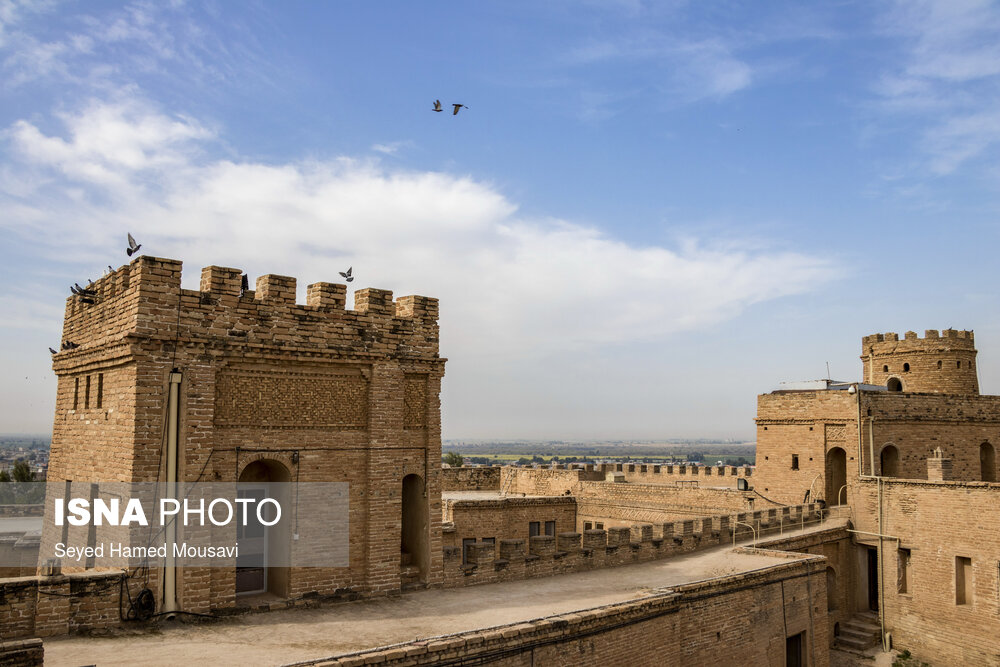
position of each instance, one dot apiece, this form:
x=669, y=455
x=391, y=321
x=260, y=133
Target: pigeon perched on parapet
x=133, y=247
x=75, y=289
x=347, y=276
x=457, y=107
x=69, y=345
x=437, y=106
x=53, y=351
x=110, y=270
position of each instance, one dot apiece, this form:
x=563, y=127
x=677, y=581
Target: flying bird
x=456, y=108
x=437, y=106
x=347, y=276
x=53, y=351
x=133, y=247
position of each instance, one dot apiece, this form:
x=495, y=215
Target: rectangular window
x=588, y=525
x=86, y=395
x=963, y=580
x=534, y=528
x=550, y=528
x=903, y=570
x=795, y=461
x=100, y=390
x=76, y=393
x=466, y=543
x=492, y=541
x=599, y=526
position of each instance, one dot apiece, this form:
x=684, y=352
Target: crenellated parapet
x=144, y=300
x=545, y=555
x=939, y=362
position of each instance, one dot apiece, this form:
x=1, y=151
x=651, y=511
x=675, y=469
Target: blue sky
x=648, y=214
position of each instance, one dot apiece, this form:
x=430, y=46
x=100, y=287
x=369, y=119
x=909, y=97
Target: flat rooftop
x=294, y=635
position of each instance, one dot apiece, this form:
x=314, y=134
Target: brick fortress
x=255, y=387
x=871, y=515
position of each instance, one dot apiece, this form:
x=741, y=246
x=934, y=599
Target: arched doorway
x=890, y=461
x=988, y=462
x=414, y=555
x=894, y=384
x=261, y=545
x=836, y=476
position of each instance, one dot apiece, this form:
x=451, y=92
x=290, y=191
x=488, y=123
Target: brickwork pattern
x=685, y=625
x=937, y=522
x=942, y=362
x=318, y=389
x=289, y=399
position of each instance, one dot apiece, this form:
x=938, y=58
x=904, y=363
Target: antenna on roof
x=828, y=371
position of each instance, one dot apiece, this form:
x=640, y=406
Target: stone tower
x=250, y=386
x=942, y=363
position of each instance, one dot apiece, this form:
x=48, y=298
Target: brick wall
x=22, y=653
x=687, y=625
x=470, y=479
x=543, y=555
x=810, y=424
x=837, y=547
x=937, y=522
x=507, y=518
x=325, y=393
x=48, y=606
x=647, y=473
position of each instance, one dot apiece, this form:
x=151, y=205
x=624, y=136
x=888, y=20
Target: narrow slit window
x=795, y=461
x=76, y=393
x=963, y=580
x=100, y=390
x=86, y=395
x=903, y=571
x=906, y=368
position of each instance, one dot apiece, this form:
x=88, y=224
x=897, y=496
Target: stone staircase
x=860, y=633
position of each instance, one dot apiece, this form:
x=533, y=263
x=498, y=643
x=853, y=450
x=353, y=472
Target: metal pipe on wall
x=173, y=419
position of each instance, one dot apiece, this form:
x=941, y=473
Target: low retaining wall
x=48, y=606
x=22, y=653
x=697, y=623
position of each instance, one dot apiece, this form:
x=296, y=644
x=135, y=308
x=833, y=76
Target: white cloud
x=509, y=286
x=114, y=48
x=688, y=69
x=948, y=77
x=392, y=147
x=108, y=143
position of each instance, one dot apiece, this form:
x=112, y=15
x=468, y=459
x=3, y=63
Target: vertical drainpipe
x=169, y=568
x=878, y=486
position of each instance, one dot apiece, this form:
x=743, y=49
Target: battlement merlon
x=883, y=343
x=144, y=299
